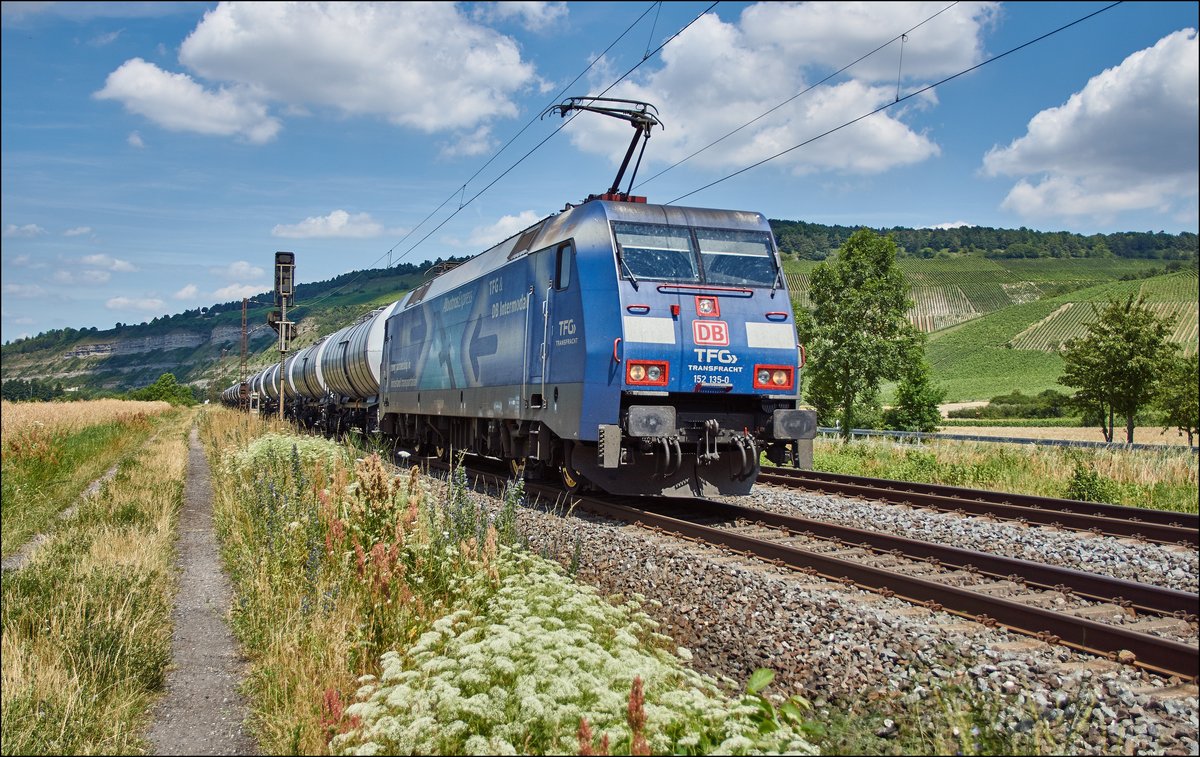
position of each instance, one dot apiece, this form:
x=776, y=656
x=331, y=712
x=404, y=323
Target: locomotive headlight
x=707, y=307
x=774, y=377
x=647, y=372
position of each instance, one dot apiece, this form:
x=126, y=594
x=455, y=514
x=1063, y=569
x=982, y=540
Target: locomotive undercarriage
x=693, y=447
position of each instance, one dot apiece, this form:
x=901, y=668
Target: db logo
x=710, y=332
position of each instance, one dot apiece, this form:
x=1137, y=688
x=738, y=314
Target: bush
x=1048, y=404
x=1088, y=485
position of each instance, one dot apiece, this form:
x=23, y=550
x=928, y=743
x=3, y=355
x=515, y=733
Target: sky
x=156, y=155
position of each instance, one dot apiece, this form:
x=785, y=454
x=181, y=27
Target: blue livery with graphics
x=630, y=347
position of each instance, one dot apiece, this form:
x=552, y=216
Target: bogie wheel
x=572, y=480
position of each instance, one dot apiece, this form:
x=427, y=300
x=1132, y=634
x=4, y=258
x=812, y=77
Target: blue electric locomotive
x=640, y=349
x=644, y=349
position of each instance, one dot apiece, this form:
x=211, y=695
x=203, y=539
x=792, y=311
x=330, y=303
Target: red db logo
x=711, y=332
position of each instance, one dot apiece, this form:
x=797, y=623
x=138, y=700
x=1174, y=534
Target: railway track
x=1110, y=520
x=1133, y=623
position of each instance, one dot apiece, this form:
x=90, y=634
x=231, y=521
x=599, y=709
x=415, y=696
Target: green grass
x=87, y=622
x=50, y=473
x=1161, y=480
x=393, y=614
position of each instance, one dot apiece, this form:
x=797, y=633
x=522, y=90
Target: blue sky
x=156, y=155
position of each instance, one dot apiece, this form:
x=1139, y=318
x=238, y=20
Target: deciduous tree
x=856, y=333
x=1179, y=396
x=1117, y=365
x=917, y=397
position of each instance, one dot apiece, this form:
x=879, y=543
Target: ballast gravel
x=835, y=644
x=1170, y=566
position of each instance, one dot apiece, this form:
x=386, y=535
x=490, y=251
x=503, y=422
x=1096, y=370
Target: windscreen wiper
x=625, y=266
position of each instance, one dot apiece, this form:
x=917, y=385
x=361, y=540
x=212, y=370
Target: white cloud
x=26, y=231
x=238, y=270
x=23, y=291
x=949, y=225
x=339, y=223
x=237, y=292
x=486, y=236
x=78, y=231
x=478, y=142
x=147, y=304
x=1126, y=141
x=109, y=263
x=177, y=103
x=186, y=293
x=363, y=59
x=21, y=261
x=101, y=40
x=535, y=16
x=135, y=140
x=81, y=277
x=718, y=75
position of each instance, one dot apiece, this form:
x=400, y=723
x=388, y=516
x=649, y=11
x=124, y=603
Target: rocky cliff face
x=183, y=339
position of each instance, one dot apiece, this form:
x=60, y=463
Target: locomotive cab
x=704, y=357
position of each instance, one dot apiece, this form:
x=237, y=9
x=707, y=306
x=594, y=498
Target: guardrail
x=920, y=436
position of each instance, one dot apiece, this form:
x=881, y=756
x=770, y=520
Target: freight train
x=632, y=347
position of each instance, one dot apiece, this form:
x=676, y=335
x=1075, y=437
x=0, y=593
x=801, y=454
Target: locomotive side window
x=656, y=252
x=562, y=265
x=736, y=257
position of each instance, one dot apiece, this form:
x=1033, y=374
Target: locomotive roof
x=564, y=225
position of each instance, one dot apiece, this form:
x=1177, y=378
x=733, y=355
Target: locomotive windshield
x=736, y=257
x=658, y=252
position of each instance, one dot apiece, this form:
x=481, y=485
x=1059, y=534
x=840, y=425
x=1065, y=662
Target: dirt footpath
x=202, y=713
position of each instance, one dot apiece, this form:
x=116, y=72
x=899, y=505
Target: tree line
x=814, y=241
x=857, y=337
x=166, y=388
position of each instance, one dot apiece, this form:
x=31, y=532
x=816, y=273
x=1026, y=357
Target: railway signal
x=285, y=275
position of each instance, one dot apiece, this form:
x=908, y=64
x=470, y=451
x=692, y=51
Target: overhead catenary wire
x=560, y=128
x=897, y=101
x=801, y=93
x=461, y=190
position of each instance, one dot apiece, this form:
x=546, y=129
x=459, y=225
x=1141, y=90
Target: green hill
x=201, y=347
x=996, y=325
x=996, y=304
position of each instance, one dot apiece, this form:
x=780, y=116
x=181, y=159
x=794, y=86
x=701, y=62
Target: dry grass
x=1141, y=434
x=1160, y=479
x=87, y=623
x=16, y=418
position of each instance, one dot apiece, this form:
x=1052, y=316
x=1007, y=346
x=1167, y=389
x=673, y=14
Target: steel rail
x=1112, y=520
x=1155, y=653
x=1143, y=597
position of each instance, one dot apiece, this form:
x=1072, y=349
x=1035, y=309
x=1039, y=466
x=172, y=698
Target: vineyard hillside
x=950, y=291
x=996, y=325
x=1017, y=347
